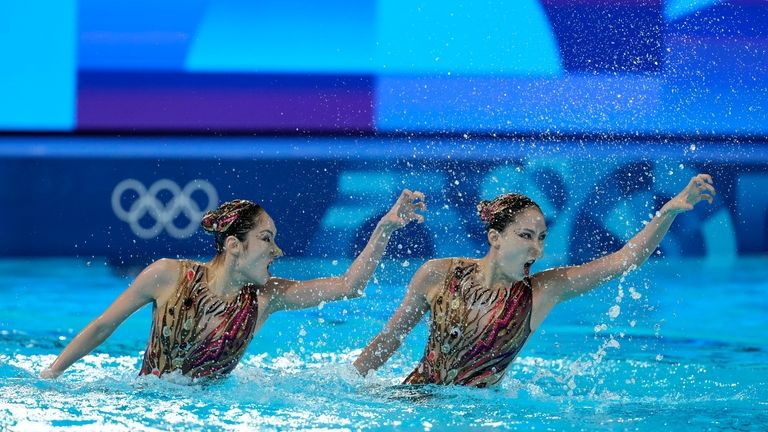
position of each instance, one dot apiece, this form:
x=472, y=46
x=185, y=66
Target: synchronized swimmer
x=483, y=310
x=205, y=314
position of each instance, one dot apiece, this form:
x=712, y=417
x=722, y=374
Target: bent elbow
x=354, y=292
x=101, y=330
x=352, y=289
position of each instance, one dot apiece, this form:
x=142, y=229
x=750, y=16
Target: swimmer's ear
x=493, y=237
x=233, y=245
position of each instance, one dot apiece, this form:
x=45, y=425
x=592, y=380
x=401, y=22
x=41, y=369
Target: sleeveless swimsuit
x=475, y=333
x=198, y=333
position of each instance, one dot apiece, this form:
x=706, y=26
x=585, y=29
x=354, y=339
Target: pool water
x=673, y=346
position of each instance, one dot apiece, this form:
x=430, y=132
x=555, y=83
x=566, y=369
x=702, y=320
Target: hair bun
x=503, y=209
x=209, y=221
x=484, y=211
x=221, y=219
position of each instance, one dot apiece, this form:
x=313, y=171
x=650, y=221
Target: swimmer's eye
x=267, y=239
x=525, y=235
x=542, y=237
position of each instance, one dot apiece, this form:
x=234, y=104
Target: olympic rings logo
x=164, y=215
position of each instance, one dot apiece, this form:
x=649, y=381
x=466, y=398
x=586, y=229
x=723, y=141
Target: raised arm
x=289, y=294
x=156, y=277
x=410, y=311
x=560, y=284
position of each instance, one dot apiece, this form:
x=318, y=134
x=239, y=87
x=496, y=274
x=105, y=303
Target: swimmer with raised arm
x=483, y=310
x=205, y=314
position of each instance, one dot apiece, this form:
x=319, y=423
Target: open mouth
x=527, y=267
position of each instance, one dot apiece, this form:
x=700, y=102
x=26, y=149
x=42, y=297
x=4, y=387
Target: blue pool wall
x=78, y=196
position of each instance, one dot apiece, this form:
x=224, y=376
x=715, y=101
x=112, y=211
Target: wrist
x=49, y=373
x=386, y=227
x=668, y=211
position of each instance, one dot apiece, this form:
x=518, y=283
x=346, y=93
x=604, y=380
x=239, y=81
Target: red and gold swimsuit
x=198, y=333
x=475, y=332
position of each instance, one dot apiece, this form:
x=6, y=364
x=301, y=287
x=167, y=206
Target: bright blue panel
x=449, y=36
x=37, y=74
x=137, y=34
x=290, y=36
x=676, y=9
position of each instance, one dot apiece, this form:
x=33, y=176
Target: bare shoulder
x=431, y=276
x=164, y=268
x=554, y=274
x=435, y=269
x=547, y=282
x=539, y=280
x=276, y=286
x=159, y=277
x=276, y=289
x=274, y=294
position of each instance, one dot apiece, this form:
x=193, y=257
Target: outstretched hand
x=698, y=189
x=49, y=374
x=404, y=210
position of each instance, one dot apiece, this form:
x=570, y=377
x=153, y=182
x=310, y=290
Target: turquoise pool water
x=674, y=346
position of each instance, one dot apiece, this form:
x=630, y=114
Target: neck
x=222, y=278
x=492, y=273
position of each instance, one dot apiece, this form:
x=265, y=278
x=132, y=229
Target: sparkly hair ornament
x=502, y=210
x=235, y=217
x=219, y=220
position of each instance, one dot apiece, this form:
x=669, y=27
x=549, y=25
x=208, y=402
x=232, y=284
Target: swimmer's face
x=260, y=251
x=521, y=243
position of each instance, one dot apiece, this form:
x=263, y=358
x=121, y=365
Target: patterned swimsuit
x=198, y=333
x=475, y=332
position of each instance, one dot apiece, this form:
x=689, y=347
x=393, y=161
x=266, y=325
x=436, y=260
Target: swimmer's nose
x=277, y=252
x=538, y=250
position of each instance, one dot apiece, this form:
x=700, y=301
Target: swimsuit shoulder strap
x=191, y=273
x=458, y=272
x=451, y=273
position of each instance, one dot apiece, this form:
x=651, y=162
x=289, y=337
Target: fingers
x=707, y=188
x=405, y=195
x=415, y=199
x=417, y=204
x=700, y=189
x=417, y=196
x=704, y=187
x=47, y=373
x=410, y=196
x=702, y=179
x=408, y=203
